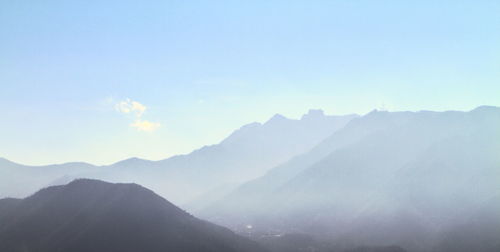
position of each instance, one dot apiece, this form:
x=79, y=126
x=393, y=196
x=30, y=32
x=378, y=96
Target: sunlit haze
x=102, y=81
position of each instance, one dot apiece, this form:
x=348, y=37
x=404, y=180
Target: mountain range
x=386, y=181
x=246, y=154
x=403, y=178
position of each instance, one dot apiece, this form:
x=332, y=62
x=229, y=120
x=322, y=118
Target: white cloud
x=144, y=125
x=129, y=106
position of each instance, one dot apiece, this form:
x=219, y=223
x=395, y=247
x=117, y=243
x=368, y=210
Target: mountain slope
x=247, y=153
x=251, y=195
x=89, y=215
x=17, y=180
x=476, y=230
x=401, y=178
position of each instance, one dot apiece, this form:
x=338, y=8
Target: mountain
x=90, y=215
x=244, y=155
x=386, y=178
x=296, y=242
x=475, y=230
x=377, y=249
x=7, y=205
x=17, y=180
x=249, y=196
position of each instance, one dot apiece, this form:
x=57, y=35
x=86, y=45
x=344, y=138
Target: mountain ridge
x=383, y=158
x=246, y=153
x=90, y=215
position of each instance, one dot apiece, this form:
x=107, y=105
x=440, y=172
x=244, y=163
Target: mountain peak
x=313, y=114
x=84, y=188
x=90, y=182
x=52, y=219
x=276, y=118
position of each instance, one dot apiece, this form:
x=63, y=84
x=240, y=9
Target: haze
x=259, y=126
x=204, y=68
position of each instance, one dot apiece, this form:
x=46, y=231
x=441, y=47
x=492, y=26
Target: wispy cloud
x=137, y=109
x=128, y=106
x=144, y=125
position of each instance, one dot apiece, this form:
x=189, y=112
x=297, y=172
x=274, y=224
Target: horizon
x=225, y=137
x=250, y=126
x=103, y=81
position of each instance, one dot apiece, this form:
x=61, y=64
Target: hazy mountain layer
x=386, y=178
x=247, y=153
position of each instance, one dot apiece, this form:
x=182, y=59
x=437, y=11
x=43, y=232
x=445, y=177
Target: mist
x=250, y=126
x=421, y=181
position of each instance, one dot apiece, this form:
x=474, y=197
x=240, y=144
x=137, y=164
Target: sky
x=102, y=81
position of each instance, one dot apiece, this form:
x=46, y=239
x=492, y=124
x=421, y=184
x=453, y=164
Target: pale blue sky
x=204, y=68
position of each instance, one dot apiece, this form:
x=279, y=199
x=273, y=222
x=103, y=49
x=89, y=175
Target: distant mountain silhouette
x=246, y=154
x=422, y=181
x=385, y=178
x=89, y=215
x=17, y=180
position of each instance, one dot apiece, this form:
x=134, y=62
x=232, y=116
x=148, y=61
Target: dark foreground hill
x=91, y=215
